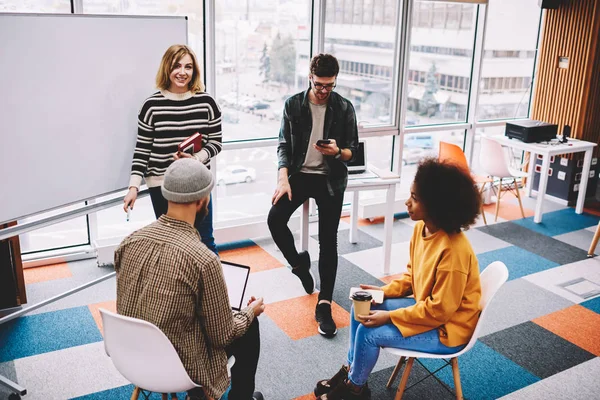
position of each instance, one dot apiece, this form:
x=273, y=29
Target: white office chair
x=492, y=161
x=492, y=279
x=144, y=355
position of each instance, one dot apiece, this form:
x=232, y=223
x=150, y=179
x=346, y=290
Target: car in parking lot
x=418, y=140
x=235, y=174
x=414, y=155
x=257, y=105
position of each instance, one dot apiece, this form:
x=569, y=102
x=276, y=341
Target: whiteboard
x=72, y=87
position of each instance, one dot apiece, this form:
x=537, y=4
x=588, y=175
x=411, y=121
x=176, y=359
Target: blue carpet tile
x=593, y=304
x=122, y=392
x=518, y=261
x=47, y=332
x=534, y=242
x=559, y=222
x=484, y=373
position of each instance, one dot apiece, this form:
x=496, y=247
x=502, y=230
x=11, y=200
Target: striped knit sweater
x=164, y=121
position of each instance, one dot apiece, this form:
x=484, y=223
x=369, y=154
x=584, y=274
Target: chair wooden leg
x=173, y=396
x=594, y=241
x=519, y=197
x=481, y=194
x=136, y=393
x=456, y=373
x=498, y=199
x=395, y=373
x=165, y=396
x=404, y=379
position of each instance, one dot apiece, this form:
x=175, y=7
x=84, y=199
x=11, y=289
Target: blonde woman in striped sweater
x=176, y=111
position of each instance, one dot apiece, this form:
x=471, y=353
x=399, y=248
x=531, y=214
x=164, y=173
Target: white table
x=548, y=150
x=355, y=185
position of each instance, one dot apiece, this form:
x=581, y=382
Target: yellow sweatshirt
x=443, y=276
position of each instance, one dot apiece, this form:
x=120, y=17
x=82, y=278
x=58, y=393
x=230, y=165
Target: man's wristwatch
x=339, y=154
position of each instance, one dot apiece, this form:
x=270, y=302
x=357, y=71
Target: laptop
x=236, y=279
x=357, y=168
x=359, y=164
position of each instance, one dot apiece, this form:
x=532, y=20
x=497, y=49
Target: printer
x=530, y=131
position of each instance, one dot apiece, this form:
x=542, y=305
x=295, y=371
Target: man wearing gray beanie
x=167, y=276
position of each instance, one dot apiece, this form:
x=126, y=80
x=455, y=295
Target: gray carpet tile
x=542, y=245
x=289, y=368
x=519, y=301
x=100, y=292
x=67, y=373
x=577, y=383
x=429, y=388
x=401, y=232
x=581, y=239
x=365, y=241
x=536, y=349
x=7, y=370
x=482, y=242
x=348, y=276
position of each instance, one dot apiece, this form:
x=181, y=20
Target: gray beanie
x=187, y=180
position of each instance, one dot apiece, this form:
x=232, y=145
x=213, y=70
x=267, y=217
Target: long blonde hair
x=171, y=56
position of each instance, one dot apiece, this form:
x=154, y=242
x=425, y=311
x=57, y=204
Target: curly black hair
x=448, y=194
x=324, y=65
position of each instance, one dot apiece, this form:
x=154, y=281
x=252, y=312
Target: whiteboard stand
x=30, y=226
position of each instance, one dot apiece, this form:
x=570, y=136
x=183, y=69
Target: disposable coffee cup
x=362, y=303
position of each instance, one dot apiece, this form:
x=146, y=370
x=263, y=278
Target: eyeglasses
x=320, y=86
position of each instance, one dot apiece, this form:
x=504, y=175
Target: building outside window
x=262, y=57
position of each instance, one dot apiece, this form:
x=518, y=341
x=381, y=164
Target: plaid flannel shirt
x=294, y=136
x=167, y=276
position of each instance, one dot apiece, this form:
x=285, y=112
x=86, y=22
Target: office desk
x=355, y=185
x=548, y=150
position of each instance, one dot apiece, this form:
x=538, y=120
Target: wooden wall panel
x=570, y=96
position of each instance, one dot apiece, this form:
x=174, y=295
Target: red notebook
x=191, y=145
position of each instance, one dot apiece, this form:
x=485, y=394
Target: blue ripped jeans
x=365, y=343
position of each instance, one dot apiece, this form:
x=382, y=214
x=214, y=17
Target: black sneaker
x=326, y=385
x=343, y=392
x=327, y=327
x=302, y=271
x=257, y=396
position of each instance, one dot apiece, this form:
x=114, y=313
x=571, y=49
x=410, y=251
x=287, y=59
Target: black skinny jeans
x=303, y=187
x=246, y=350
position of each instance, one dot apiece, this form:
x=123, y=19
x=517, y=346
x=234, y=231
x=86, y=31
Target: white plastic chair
x=492, y=161
x=494, y=276
x=144, y=355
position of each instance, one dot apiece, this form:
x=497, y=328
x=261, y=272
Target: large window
x=365, y=49
x=261, y=59
x=73, y=232
x=191, y=9
x=418, y=146
x=37, y=6
x=246, y=180
x=440, y=59
x=508, y=60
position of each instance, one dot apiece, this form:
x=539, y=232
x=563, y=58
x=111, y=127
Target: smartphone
x=323, y=142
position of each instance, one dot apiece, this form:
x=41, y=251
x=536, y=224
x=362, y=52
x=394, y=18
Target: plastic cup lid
x=361, y=295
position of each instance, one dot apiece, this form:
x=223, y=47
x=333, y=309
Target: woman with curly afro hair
x=442, y=276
